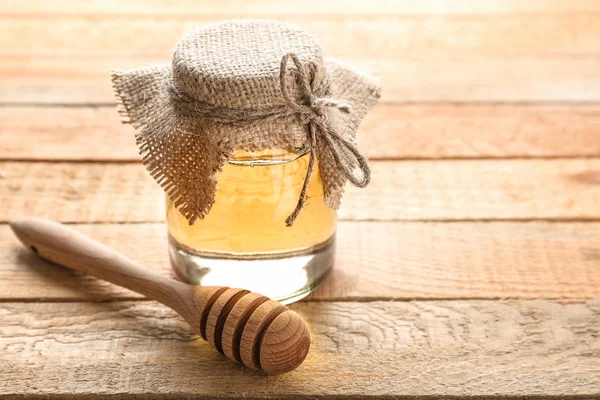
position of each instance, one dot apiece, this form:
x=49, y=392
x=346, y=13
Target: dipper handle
x=69, y=248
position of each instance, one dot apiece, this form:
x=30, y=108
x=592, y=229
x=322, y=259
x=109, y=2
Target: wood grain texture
x=529, y=53
x=472, y=131
x=262, y=8
x=374, y=260
x=392, y=131
x=392, y=37
x=73, y=79
x=411, y=190
x=452, y=349
x=65, y=133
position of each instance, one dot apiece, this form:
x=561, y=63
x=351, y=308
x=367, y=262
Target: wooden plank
x=512, y=57
x=498, y=51
x=374, y=260
x=411, y=190
x=271, y=8
x=471, y=131
x=65, y=133
x=57, y=79
x=416, y=38
x=456, y=349
x=391, y=131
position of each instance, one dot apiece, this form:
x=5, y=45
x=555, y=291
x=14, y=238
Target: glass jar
x=244, y=241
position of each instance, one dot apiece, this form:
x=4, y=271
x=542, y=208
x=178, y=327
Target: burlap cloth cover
x=248, y=85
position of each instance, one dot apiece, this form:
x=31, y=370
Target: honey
x=244, y=241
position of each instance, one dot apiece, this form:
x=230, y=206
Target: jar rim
x=286, y=156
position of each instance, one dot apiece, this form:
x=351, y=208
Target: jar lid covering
x=248, y=85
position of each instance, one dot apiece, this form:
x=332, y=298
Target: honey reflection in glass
x=244, y=242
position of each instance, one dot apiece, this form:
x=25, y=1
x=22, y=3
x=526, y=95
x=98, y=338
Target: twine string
x=312, y=108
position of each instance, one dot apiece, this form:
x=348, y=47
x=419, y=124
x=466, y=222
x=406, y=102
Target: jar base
x=283, y=276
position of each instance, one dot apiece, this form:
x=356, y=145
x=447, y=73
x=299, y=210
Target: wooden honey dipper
x=247, y=327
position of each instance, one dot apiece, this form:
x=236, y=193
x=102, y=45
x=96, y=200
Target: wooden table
x=469, y=267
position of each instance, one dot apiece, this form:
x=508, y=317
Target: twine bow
x=310, y=109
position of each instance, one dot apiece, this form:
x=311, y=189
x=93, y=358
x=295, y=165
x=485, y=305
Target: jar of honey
x=251, y=133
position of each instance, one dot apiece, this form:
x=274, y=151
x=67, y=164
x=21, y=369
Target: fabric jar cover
x=249, y=85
